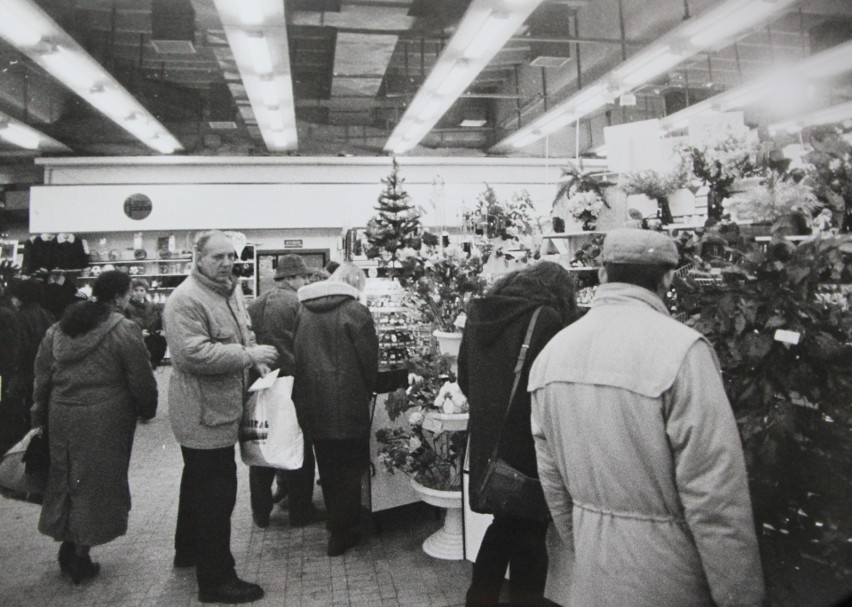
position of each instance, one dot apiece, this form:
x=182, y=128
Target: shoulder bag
x=506, y=491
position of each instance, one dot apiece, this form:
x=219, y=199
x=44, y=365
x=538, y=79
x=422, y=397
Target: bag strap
x=519, y=366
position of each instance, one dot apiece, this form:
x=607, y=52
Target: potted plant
x=785, y=357
x=440, y=282
x=721, y=162
x=430, y=449
x=576, y=189
x=775, y=199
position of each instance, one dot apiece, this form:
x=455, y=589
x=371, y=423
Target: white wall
x=87, y=195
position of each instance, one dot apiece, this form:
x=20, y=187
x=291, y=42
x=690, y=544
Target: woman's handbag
x=506, y=491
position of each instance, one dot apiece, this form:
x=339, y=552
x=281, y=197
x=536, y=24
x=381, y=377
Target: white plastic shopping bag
x=270, y=434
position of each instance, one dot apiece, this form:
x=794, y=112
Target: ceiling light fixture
x=829, y=115
x=16, y=26
x=263, y=60
x=715, y=25
x=259, y=49
x=481, y=33
x=79, y=71
x=250, y=12
x=66, y=61
x=679, y=44
x=20, y=136
x=491, y=29
x=836, y=60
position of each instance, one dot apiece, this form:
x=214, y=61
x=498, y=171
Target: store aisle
x=387, y=569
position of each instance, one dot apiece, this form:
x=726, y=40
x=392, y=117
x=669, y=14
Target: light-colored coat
x=94, y=386
x=640, y=461
x=206, y=327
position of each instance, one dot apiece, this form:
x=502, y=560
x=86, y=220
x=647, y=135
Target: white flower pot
x=448, y=542
x=448, y=343
x=445, y=422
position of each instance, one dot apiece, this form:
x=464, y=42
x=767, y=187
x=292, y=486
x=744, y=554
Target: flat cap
x=628, y=245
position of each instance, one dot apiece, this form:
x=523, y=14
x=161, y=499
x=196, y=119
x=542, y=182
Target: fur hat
x=645, y=247
x=290, y=266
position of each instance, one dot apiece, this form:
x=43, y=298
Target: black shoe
x=314, y=515
x=184, y=560
x=66, y=557
x=261, y=520
x=232, y=591
x=81, y=568
x=338, y=544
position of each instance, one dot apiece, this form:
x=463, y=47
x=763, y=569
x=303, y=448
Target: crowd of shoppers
x=621, y=415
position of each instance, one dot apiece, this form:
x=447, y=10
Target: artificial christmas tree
x=397, y=224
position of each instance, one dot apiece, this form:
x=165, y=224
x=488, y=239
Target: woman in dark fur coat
x=495, y=330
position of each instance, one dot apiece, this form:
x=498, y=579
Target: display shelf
x=139, y=261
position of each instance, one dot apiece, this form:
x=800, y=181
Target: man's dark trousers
x=300, y=488
x=208, y=493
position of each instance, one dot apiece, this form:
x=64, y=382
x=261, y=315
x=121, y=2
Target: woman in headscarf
x=92, y=381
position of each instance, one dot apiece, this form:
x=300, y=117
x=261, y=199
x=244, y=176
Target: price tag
x=788, y=337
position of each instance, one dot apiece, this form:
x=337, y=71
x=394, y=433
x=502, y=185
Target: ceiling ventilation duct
x=549, y=21
x=173, y=27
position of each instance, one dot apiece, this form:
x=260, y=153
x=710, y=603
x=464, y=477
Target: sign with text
x=293, y=244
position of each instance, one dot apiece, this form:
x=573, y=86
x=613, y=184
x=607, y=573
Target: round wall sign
x=137, y=206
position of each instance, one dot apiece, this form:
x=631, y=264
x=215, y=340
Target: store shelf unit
x=164, y=274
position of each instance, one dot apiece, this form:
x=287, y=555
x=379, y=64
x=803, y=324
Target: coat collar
x=225, y=290
x=620, y=293
x=326, y=288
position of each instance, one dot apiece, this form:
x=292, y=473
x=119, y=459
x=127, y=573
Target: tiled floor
x=388, y=568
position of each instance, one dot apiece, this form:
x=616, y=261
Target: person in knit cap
x=638, y=451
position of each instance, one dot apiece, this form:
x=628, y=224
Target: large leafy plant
x=432, y=459
x=793, y=401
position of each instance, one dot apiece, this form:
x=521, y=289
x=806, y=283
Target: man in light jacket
x=211, y=350
x=637, y=447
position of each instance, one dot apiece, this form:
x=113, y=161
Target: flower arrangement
x=507, y=220
x=772, y=200
x=659, y=186
x=432, y=458
x=585, y=207
x=719, y=163
x=440, y=281
x=574, y=193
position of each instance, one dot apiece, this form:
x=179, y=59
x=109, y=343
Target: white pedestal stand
x=448, y=542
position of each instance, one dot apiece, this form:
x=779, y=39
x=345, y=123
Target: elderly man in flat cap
x=273, y=318
x=637, y=448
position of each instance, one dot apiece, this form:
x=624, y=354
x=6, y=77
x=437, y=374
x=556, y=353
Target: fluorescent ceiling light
x=656, y=62
x=455, y=79
x=481, y=33
x=111, y=103
x=20, y=136
x=259, y=50
x=716, y=25
x=524, y=141
x=250, y=12
x=662, y=55
x=557, y=122
x=469, y=123
x=829, y=115
x=269, y=91
x=162, y=144
x=77, y=71
x=15, y=28
x=279, y=139
x=275, y=120
x=491, y=30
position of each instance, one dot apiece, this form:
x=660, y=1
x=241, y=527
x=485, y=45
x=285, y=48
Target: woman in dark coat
x=495, y=330
x=337, y=356
x=92, y=381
